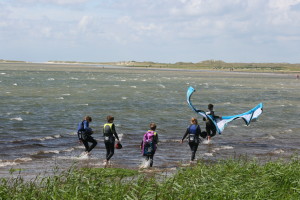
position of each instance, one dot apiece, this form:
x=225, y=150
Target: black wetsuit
x=210, y=127
x=193, y=131
x=109, y=133
x=84, y=135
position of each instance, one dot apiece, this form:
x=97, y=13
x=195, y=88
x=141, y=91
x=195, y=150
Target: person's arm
x=215, y=116
x=186, y=133
x=103, y=131
x=114, y=131
x=156, y=138
x=198, y=132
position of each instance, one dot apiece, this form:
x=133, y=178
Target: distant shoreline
x=274, y=68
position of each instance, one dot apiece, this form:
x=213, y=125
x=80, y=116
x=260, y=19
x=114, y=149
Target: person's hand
x=181, y=141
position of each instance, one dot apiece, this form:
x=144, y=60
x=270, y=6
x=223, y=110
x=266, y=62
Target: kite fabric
x=220, y=123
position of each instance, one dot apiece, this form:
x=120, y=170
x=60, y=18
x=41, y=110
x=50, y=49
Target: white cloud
x=158, y=26
x=84, y=22
x=58, y=2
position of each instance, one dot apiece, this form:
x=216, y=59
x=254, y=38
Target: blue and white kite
x=220, y=123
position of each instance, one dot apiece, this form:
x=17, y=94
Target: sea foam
x=17, y=119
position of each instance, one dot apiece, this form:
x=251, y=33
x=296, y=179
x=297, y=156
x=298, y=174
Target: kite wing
x=220, y=123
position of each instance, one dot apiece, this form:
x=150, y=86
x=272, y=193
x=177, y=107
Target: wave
x=72, y=133
x=161, y=85
x=51, y=137
x=222, y=148
x=4, y=163
x=73, y=157
x=278, y=151
x=208, y=154
x=26, y=146
x=17, y=119
x=82, y=156
x=48, y=137
x=268, y=137
x=69, y=149
x=7, y=163
x=46, y=152
x=287, y=131
x=42, y=154
x=20, y=160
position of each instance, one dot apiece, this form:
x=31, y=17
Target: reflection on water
x=41, y=106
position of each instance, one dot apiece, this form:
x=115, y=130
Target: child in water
x=109, y=134
x=149, y=143
x=193, y=132
x=84, y=133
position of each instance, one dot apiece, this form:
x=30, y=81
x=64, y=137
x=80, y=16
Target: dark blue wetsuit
x=84, y=134
x=110, y=134
x=193, y=131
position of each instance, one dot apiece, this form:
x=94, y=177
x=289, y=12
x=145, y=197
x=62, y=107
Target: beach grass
x=226, y=179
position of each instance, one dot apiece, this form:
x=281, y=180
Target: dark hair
x=88, y=118
x=210, y=107
x=152, y=126
x=110, y=119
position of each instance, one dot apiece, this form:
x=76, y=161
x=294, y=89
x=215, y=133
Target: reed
x=226, y=179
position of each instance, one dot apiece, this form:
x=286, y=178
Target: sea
x=42, y=104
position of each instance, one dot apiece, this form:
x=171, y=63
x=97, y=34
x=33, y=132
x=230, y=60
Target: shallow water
x=41, y=106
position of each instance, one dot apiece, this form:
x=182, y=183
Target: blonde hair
x=194, y=120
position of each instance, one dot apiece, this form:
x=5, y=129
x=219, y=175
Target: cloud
x=209, y=27
x=84, y=22
x=58, y=2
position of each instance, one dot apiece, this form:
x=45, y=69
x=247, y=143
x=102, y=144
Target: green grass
x=228, y=179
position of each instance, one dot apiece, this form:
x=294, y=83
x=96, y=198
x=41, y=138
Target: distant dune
x=216, y=65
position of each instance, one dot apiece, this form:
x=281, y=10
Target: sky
x=166, y=31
